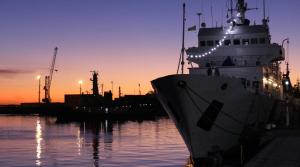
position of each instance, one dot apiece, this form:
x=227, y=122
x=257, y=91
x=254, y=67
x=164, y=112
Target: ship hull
x=211, y=113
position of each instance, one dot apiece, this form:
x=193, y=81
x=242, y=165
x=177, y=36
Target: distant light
x=80, y=82
x=38, y=77
x=265, y=79
x=287, y=83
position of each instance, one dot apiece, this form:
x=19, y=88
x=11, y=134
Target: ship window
x=210, y=43
x=236, y=42
x=202, y=43
x=217, y=42
x=245, y=41
x=227, y=42
x=254, y=41
x=262, y=40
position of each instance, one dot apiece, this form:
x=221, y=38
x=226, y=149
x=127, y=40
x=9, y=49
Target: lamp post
x=140, y=93
x=80, y=83
x=39, y=79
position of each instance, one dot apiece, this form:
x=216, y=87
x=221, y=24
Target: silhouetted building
x=136, y=100
x=76, y=101
x=108, y=99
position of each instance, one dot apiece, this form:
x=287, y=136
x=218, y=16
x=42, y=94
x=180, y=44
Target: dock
x=283, y=151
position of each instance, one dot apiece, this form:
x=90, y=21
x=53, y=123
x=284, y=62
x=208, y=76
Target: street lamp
x=38, y=77
x=80, y=83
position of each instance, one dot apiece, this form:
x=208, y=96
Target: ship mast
x=265, y=20
x=183, y=34
x=231, y=8
x=264, y=9
x=241, y=9
x=181, y=58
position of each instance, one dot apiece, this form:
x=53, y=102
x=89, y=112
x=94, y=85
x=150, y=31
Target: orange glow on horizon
x=24, y=88
x=21, y=88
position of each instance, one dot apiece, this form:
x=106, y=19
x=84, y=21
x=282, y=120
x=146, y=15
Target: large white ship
x=232, y=90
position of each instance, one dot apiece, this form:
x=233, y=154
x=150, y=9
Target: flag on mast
x=193, y=28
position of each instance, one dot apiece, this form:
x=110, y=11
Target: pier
x=283, y=151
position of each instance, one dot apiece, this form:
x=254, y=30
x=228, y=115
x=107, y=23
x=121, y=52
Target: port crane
x=48, y=79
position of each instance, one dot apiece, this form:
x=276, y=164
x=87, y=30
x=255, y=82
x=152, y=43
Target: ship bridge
x=242, y=45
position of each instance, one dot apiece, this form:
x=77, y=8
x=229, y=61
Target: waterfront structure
x=48, y=78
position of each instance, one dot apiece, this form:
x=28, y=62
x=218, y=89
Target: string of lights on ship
x=221, y=42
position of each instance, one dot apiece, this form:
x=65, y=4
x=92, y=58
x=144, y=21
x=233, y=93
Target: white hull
x=186, y=97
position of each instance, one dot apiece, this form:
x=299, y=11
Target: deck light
x=287, y=83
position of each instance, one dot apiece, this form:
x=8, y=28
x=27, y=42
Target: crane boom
x=52, y=66
x=48, y=78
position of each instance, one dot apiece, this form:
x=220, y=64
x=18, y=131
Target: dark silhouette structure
x=48, y=79
x=95, y=83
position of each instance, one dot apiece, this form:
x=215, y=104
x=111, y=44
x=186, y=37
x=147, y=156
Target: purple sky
x=127, y=41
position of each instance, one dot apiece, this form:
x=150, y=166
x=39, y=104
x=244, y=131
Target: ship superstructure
x=233, y=88
x=240, y=50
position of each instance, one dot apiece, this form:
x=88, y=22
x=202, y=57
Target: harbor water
x=42, y=141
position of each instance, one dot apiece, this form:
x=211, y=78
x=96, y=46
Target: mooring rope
x=218, y=126
x=208, y=102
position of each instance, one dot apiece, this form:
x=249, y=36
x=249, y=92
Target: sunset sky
x=126, y=41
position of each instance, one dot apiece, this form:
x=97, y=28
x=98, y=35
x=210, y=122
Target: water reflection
x=189, y=162
x=38, y=137
x=96, y=145
x=97, y=129
x=80, y=141
x=147, y=143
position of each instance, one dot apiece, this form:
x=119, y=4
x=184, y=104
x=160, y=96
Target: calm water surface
x=40, y=141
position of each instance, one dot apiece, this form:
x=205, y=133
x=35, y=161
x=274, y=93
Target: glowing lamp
x=287, y=83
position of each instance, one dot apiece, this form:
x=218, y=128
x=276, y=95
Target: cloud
x=10, y=73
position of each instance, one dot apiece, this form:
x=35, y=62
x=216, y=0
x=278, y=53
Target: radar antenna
x=241, y=8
